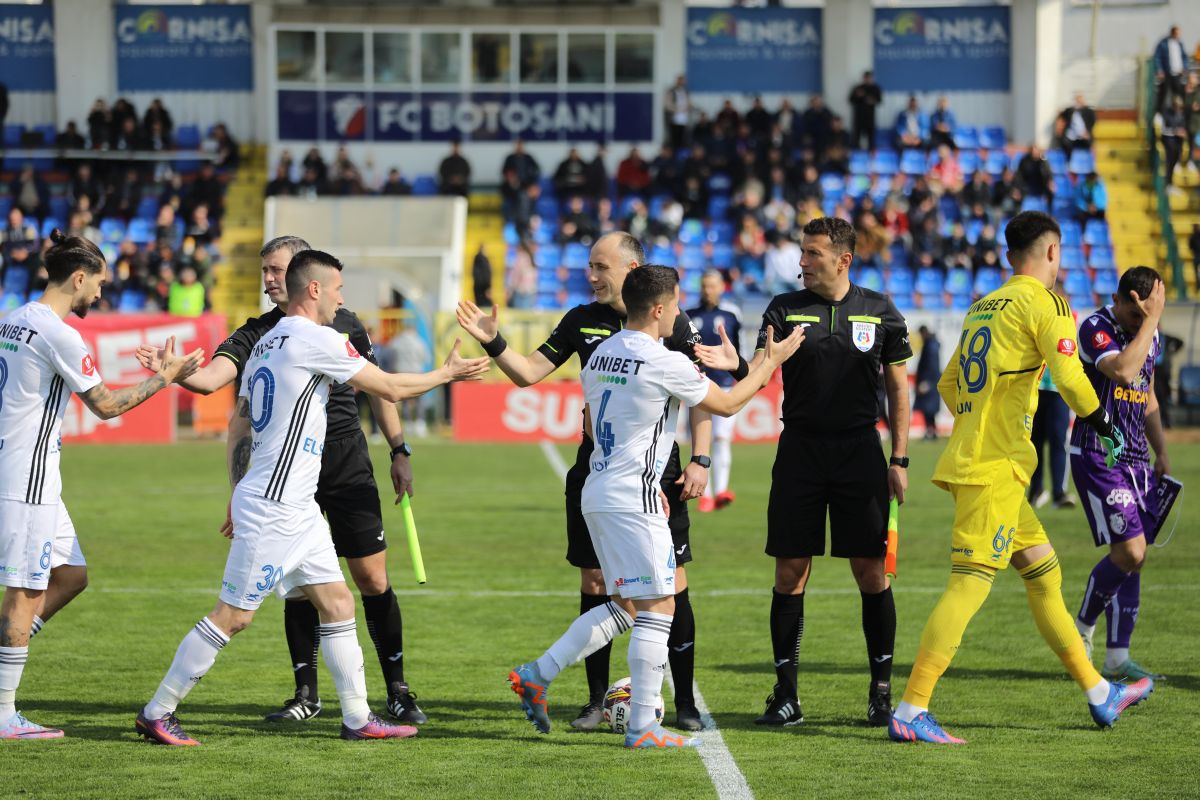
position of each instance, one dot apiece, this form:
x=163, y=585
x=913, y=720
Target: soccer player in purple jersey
x=1118, y=346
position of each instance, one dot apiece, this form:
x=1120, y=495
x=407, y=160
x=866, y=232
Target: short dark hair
x=302, y=269
x=71, y=253
x=1137, y=279
x=293, y=244
x=646, y=287
x=1026, y=228
x=841, y=233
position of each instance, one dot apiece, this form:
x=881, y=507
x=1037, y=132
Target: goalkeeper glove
x=1111, y=438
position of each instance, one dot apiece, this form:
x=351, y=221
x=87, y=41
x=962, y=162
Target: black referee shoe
x=402, y=705
x=879, y=704
x=296, y=709
x=781, y=711
x=687, y=718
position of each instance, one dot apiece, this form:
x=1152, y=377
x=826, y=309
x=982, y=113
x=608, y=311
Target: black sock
x=879, y=628
x=387, y=632
x=681, y=650
x=301, y=624
x=596, y=664
x=787, y=628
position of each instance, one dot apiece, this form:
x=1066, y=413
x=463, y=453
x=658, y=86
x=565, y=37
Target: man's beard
x=80, y=308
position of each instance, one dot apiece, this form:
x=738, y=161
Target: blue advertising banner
x=943, y=49
x=470, y=116
x=754, y=49
x=27, y=48
x=184, y=48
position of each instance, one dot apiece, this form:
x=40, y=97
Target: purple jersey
x=1100, y=337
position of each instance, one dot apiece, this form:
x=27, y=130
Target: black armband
x=743, y=369
x=1099, y=421
x=496, y=346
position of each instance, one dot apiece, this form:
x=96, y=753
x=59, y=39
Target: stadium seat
x=1095, y=232
x=1076, y=282
x=10, y=301
x=691, y=232
x=48, y=132
x=131, y=301
x=720, y=183
x=996, y=162
x=1101, y=258
x=958, y=283
x=720, y=232
x=857, y=186
x=961, y=302
x=903, y=301
x=1082, y=162
x=993, y=137
x=148, y=208
x=113, y=230
x=1001, y=239
x=722, y=255
x=1072, y=235
x=1081, y=302
x=550, y=256
x=718, y=206
x=48, y=225
x=1035, y=204
x=1189, y=388
x=1063, y=189
x=833, y=185
x=690, y=282
x=966, y=137
x=930, y=281
x=424, y=186
x=968, y=160
x=547, y=209
x=141, y=231
x=657, y=203
x=899, y=281
x=693, y=258
x=575, y=256
x=187, y=137
x=870, y=278
x=12, y=135
x=914, y=162
x=547, y=281
x=973, y=228
x=885, y=162
x=1057, y=160
x=932, y=301
x=987, y=279
x=59, y=207
x=6, y=205
x=577, y=282
x=662, y=255
x=860, y=162
x=1105, y=283
x=16, y=281
x=950, y=210
x=510, y=234
x=109, y=251
x=543, y=234
x=883, y=186
x=1072, y=258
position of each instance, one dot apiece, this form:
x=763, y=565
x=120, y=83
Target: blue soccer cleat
x=1120, y=697
x=923, y=728
x=531, y=687
x=658, y=737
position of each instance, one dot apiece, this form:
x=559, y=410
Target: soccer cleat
x=1120, y=697
x=18, y=727
x=781, y=711
x=295, y=709
x=402, y=705
x=879, y=704
x=1042, y=499
x=707, y=504
x=923, y=728
x=1066, y=501
x=529, y=685
x=688, y=718
x=590, y=717
x=1130, y=670
x=377, y=729
x=658, y=737
x=725, y=498
x=166, y=730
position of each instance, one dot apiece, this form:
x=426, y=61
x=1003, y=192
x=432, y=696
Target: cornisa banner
x=305, y=115
x=943, y=49
x=27, y=48
x=184, y=48
x=754, y=49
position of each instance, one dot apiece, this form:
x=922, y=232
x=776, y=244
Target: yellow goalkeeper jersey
x=990, y=384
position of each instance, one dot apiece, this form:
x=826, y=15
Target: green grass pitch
x=499, y=591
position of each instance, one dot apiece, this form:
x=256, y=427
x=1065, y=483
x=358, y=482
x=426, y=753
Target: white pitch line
x=555, y=458
x=723, y=771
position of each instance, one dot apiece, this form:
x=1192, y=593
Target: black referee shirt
x=342, y=411
x=831, y=385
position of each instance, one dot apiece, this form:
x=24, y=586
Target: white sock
x=647, y=660
x=12, y=664
x=343, y=656
x=907, y=712
x=722, y=462
x=38, y=624
x=1115, y=657
x=193, y=660
x=1084, y=629
x=1098, y=693
x=589, y=632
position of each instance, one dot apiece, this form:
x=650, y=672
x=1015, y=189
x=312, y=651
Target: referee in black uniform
x=580, y=332
x=346, y=492
x=830, y=458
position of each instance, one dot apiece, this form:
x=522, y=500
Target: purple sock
x=1122, y=612
x=1103, y=583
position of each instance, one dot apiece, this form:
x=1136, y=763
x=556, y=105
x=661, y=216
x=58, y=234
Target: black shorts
x=347, y=493
x=580, y=551
x=847, y=477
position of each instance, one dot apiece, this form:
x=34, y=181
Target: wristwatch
x=899, y=461
x=401, y=449
x=703, y=461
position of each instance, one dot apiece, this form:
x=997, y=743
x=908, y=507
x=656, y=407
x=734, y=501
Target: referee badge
x=863, y=335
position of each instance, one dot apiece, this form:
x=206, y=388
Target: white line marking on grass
x=555, y=458
x=723, y=771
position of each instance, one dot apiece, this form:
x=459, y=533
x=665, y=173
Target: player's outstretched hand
x=722, y=356
x=1152, y=305
x=482, y=326
x=465, y=369
x=781, y=351
x=149, y=356
x=176, y=368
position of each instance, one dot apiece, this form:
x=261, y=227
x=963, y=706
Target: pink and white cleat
x=18, y=727
x=378, y=729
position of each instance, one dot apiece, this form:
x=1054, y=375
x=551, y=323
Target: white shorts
x=35, y=539
x=636, y=553
x=722, y=427
x=276, y=548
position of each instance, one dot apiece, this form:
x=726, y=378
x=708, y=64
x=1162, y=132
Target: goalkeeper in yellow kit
x=991, y=388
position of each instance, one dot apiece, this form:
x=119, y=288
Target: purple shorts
x=1117, y=500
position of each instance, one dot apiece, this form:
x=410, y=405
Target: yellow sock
x=965, y=592
x=1043, y=589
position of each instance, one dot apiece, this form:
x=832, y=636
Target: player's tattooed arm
x=240, y=441
x=106, y=403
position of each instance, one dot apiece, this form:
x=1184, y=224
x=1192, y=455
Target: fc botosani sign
x=476, y=116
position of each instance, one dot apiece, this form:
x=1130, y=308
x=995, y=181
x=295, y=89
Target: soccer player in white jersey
x=42, y=360
x=633, y=387
x=281, y=541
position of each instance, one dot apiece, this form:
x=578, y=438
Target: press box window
x=441, y=58
x=539, y=58
x=634, y=61
x=344, y=57
x=585, y=58
x=491, y=57
x=296, y=56
x=393, y=57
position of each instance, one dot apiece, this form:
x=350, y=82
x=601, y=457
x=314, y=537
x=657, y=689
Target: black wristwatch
x=401, y=449
x=899, y=461
x=703, y=461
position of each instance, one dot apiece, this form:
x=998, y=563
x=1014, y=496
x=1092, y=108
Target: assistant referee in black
x=830, y=458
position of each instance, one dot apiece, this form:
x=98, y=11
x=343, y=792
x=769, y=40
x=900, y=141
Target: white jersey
x=633, y=386
x=42, y=360
x=287, y=380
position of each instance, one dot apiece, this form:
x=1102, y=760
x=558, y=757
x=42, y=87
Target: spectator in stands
x=524, y=210
x=702, y=131
x=577, y=224
x=185, y=297
x=1174, y=132
x=864, y=100
x=809, y=187
x=395, y=185
x=524, y=166
x=1077, y=124
x=929, y=371
x=30, y=193
x=570, y=178
x=281, y=184
x=165, y=230
x=837, y=147
x=728, y=117
x=1034, y=176
x=912, y=125
x=1191, y=110
x=206, y=189
x=744, y=175
x=122, y=110
x=226, y=148
x=942, y=125
x=781, y=265
x=637, y=221
x=201, y=229
x=946, y=174
x=158, y=113
x=70, y=138
x=123, y=194
x=956, y=250
x=696, y=165
x=128, y=136
x=1170, y=68
x=677, y=108
x=522, y=278
x=894, y=220
x=18, y=233
x=99, y=124
x=979, y=190
x=751, y=238
x=77, y=225
x=787, y=119
x=670, y=219
x=1091, y=198
x=815, y=125
x=157, y=139
x=597, y=174
x=873, y=240
x=310, y=184
x=1006, y=194
x=481, y=278
x=633, y=174
x=665, y=171
x=348, y=182
x=926, y=243
x=920, y=196
x=758, y=118
x=314, y=161
x=694, y=198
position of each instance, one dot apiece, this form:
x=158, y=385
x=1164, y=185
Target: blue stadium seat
x=883, y=185
x=131, y=301
x=12, y=135
x=657, y=202
x=543, y=234
x=860, y=162
x=109, y=251
x=1001, y=239
x=10, y=301
x=903, y=301
x=425, y=186
x=16, y=281
x=1072, y=258
x=1101, y=258
x=691, y=232
x=933, y=301
x=966, y=137
x=958, y=282
x=885, y=162
x=59, y=207
x=1082, y=162
x=720, y=183
x=968, y=160
x=961, y=302
x=899, y=281
x=996, y=162
x=547, y=301
x=949, y=208
x=148, y=208
x=1035, y=204
x=187, y=137
x=1095, y=232
x=722, y=255
x=693, y=258
x=550, y=256
x=141, y=231
x=1082, y=302
x=1072, y=234
x=510, y=234
x=857, y=186
x=987, y=279
x=1057, y=160
x=1106, y=282
x=993, y=137
x=547, y=281
x=48, y=225
x=930, y=281
x=577, y=281
x=547, y=209
x=833, y=186
x=663, y=255
x=870, y=278
x=1076, y=282
x=575, y=256
x=718, y=206
x=973, y=228
x=899, y=255
x=690, y=282
x=1014, y=160
x=720, y=232
x=1063, y=189
x=48, y=132
x=546, y=184
x=6, y=205
x=113, y=230
x=914, y=162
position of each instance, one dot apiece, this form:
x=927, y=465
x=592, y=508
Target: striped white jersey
x=287, y=380
x=42, y=360
x=633, y=386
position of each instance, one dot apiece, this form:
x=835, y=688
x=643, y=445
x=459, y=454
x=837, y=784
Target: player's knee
x=591, y=581
x=372, y=582
x=75, y=583
x=790, y=575
x=868, y=574
x=1130, y=556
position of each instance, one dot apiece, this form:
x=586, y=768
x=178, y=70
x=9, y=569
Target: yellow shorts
x=991, y=522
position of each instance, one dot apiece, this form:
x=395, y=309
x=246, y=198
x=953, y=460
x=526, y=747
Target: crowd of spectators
x=158, y=221
x=313, y=176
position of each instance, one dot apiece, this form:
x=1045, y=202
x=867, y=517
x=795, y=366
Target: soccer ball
x=617, y=706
